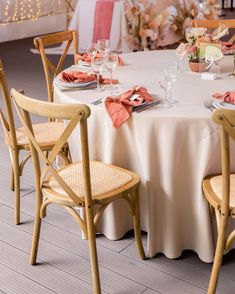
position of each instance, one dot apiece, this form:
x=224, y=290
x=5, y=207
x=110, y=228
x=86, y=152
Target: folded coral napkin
x=84, y=57
x=120, y=107
x=107, y=81
x=83, y=77
x=77, y=77
x=228, y=97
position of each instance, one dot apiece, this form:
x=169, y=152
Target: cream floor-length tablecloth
x=171, y=149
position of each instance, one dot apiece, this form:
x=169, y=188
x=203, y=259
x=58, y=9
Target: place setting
x=97, y=59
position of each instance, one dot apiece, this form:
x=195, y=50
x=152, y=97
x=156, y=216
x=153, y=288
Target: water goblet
x=103, y=46
x=164, y=83
x=233, y=73
x=172, y=71
x=111, y=64
x=91, y=49
x=97, y=67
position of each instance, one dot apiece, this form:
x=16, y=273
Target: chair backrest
x=74, y=114
x=226, y=119
x=213, y=24
x=51, y=70
x=7, y=121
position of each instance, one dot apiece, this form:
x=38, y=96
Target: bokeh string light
x=21, y=10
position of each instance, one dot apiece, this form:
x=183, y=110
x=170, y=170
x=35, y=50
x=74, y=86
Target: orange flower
x=134, y=10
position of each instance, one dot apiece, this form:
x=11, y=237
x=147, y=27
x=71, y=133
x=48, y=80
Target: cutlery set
x=138, y=108
x=145, y=106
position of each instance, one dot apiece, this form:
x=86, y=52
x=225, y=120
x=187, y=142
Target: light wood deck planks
x=64, y=265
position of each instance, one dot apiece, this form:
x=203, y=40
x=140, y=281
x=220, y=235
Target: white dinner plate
x=222, y=104
x=83, y=63
x=73, y=85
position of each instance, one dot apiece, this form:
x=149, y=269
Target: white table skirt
x=171, y=149
x=83, y=21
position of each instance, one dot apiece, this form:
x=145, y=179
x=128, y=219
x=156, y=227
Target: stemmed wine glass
x=233, y=73
x=97, y=65
x=166, y=79
x=91, y=50
x=111, y=64
x=164, y=84
x=172, y=71
x=103, y=46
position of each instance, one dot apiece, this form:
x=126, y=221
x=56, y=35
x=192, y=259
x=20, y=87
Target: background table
x=83, y=21
x=171, y=149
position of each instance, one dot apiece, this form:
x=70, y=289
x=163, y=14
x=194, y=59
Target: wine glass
x=91, y=50
x=103, y=46
x=233, y=73
x=166, y=80
x=165, y=86
x=172, y=70
x=111, y=64
x=97, y=67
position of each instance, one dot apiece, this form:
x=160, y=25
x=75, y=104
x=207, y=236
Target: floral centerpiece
x=203, y=48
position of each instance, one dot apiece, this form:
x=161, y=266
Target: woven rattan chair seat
x=106, y=179
x=216, y=186
x=46, y=134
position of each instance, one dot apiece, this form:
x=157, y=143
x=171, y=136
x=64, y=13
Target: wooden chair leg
x=137, y=228
x=16, y=173
x=12, y=185
x=35, y=242
x=36, y=233
x=93, y=251
x=218, y=255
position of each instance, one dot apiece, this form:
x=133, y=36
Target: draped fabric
x=103, y=19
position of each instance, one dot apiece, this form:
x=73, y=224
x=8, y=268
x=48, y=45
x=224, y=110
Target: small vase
x=198, y=66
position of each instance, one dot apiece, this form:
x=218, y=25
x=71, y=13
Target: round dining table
x=172, y=150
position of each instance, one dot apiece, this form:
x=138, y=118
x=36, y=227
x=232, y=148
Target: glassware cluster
x=102, y=60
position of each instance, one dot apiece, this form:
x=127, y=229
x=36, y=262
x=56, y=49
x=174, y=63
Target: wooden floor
x=63, y=256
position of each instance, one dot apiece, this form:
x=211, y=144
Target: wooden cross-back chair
x=219, y=191
x=214, y=24
x=16, y=140
x=50, y=70
x=82, y=184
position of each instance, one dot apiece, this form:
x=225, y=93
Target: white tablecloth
x=171, y=149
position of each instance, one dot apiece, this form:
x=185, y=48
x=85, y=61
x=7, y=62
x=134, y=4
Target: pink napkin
x=103, y=19
x=106, y=81
x=83, y=77
x=120, y=107
x=228, y=97
x=86, y=58
x=77, y=77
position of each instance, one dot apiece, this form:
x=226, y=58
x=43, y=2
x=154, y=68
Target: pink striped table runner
x=103, y=19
